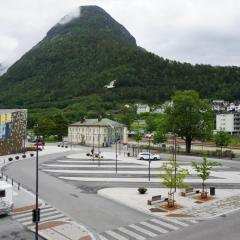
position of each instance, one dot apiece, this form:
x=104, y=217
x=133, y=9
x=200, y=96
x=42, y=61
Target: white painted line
x=158, y=229
x=45, y=219
x=178, y=222
x=164, y=224
x=101, y=171
x=116, y=235
x=41, y=215
x=131, y=234
x=96, y=165
x=140, y=180
x=102, y=237
x=142, y=230
x=30, y=213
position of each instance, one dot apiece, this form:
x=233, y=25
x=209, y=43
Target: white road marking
x=143, y=230
x=116, y=235
x=132, y=234
x=178, y=222
x=158, y=229
x=164, y=224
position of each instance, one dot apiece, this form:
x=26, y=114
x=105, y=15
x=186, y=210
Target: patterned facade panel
x=12, y=131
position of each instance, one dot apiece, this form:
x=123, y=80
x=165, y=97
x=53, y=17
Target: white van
x=6, y=198
x=146, y=156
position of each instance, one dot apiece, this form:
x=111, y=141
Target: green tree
x=222, y=139
x=151, y=124
x=159, y=137
x=189, y=116
x=203, y=170
x=138, y=137
x=170, y=179
x=61, y=126
x=44, y=127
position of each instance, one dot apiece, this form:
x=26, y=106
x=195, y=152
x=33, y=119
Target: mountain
x=87, y=50
x=3, y=69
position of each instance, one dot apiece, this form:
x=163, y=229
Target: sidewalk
x=54, y=225
x=226, y=201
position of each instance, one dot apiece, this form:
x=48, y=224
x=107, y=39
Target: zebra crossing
x=89, y=170
x=151, y=228
x=47, y=213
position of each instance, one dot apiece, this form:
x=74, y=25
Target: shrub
x=17, y=157
x=58, y=145
x=62, y=146
x=66, y=146
x=31, y=154
x=10, y=159
x=142, y=190
x=24, y=156
x=88, y=154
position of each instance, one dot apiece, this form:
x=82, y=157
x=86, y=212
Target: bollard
x=18, y=186
x=12, y=182
x=6, y=178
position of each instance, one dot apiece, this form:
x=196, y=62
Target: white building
x=97, y=132
x=142, y=108
x=228, y=122
x=219, y=105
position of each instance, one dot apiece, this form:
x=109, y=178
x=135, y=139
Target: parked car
x=145, y=156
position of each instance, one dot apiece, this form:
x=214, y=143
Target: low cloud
x=187, y=30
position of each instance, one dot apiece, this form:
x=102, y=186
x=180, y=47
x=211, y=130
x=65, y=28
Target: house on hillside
x=97, y=132
x=142, y=108
x=228, y=122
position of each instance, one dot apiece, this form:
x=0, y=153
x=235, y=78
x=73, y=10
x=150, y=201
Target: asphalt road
x=12, y=230
x=222, y=228
x=97, y=213
x=80, y=202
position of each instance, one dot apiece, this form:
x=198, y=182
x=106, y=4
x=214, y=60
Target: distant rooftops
x=105, y=122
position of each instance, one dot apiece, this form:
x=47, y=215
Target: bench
x=154, y=199
x=187, y=192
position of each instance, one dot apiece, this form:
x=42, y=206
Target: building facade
x=142, y=108
x=97, y=133
x=13, y=127
x=228, y=122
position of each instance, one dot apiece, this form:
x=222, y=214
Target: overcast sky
x=195, y=31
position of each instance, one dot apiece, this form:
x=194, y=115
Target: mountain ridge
x=77, y=59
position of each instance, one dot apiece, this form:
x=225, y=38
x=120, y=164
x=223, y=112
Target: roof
x=3, y=111
x=105, y=122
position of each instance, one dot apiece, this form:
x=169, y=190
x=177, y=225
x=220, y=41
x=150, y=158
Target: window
x=2, y=193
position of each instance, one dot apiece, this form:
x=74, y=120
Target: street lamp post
x=116, y=150
x=175, y=157
x=37, y=210
x=149, y=160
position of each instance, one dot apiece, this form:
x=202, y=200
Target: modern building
x=228, y=122
x=13, y=126
x=97, y=132
x=142, y=108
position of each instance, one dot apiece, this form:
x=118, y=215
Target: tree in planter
x=172, y=179
x=222, y=139
x=203, y=170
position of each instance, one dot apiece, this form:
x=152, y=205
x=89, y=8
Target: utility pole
x=175, y=157
x=36, y=212
x=149, y=160
x=116, y=149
